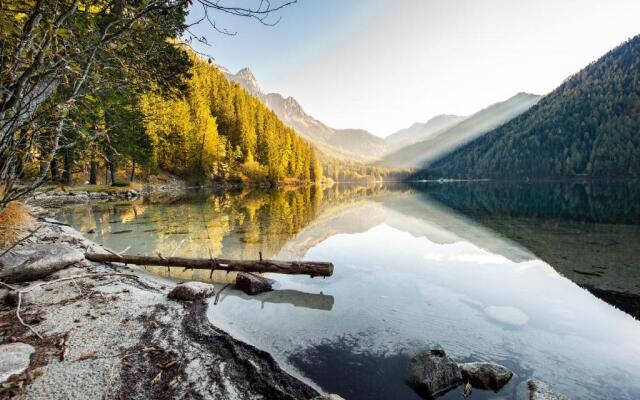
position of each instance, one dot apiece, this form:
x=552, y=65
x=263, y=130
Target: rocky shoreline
x=110, y=331
x=57, y=198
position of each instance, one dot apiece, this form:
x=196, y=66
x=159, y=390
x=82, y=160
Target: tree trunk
x=93, y=172
x=133, y=171
x=259, y=266
x=55, y=172
x=67, y=174
x=112, y=168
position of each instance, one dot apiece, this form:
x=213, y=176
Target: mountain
x=290, y=111
x=440, y=143
x=421, y=131
x=364, y=146
x=248, y=81
x=359, y=141
x=589, y=126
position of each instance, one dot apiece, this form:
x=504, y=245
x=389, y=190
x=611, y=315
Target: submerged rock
x=486, y=375
x=190, y=291
x=433, y=373
x=37, y=261
x=14, y=359
x=508, y=316
x=253, y=284
x=539, y=390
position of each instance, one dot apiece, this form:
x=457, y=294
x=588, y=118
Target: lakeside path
x=120, y=337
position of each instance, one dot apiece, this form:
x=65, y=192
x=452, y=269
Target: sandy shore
x=119, y=336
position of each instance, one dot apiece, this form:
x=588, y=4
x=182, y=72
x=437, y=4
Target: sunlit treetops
x=217, y=129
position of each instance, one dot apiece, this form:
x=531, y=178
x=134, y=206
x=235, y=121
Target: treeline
x=342, y=170
x=211, y=129
x=589, y=126
x=102, y=92
x=218, y=130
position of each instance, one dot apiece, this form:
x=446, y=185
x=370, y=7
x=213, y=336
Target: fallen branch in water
x=260, y=266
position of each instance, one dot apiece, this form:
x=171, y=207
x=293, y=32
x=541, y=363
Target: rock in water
x=328, y=397
x=433, y=373
x=14, y=359
x=37, y=261
x=253, y=284
x=191, y=291
x=485, y=375
x=539, y=390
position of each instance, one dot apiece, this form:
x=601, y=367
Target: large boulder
x=486, y=375
x=37, y=261
x=67, y=272
x=253, y=284
x=27, y=298
x=539, y=390
x=191, y=291
x=433, y=373
x=14, y=359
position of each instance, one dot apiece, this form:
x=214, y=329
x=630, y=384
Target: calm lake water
x=542, y=278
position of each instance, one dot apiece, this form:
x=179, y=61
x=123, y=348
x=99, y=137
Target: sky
x=382, y=65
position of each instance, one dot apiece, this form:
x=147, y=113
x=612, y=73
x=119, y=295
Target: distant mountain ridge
x=440, y=143
x=589, y=126
x=421, y=131
x=351, y=143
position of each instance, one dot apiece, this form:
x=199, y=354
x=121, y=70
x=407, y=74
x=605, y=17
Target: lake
x=543, y=278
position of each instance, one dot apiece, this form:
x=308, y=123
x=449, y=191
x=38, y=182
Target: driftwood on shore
x=310, y=268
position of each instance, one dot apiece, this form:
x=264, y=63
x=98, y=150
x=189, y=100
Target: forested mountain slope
x=420, y=154
x=219, y=130
x=589, y=126
x=334, y=142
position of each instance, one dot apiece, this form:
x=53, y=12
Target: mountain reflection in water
x=478, y=268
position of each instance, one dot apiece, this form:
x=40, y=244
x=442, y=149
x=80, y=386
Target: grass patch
x=14, y=222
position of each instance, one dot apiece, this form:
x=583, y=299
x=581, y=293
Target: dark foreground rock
x=194, y=359
x=486, y=375
x=539, y=390
x=190, y=291
x=253, y=284
x=37, y=261
x=433, y=373
x=14, y=359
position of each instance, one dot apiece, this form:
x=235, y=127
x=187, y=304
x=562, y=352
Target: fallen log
x=310, y=268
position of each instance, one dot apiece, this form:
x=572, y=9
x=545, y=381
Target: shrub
x=14, y=222
x=121, y=183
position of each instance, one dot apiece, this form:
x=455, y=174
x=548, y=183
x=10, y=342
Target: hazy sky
x=382, y=65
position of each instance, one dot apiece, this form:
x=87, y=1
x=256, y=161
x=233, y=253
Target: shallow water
x=485, y=271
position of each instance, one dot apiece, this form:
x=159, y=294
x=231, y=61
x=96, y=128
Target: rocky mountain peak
x=247, y=80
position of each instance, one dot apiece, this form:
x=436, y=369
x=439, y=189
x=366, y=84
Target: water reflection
x=587, y=231
x=479, y=270
x=296, y=298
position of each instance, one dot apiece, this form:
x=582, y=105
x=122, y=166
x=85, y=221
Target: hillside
x=421, y=131
x=218, y=130
x=418, y=155
x=589, y=126
x=358, y=141
x=334, y=142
